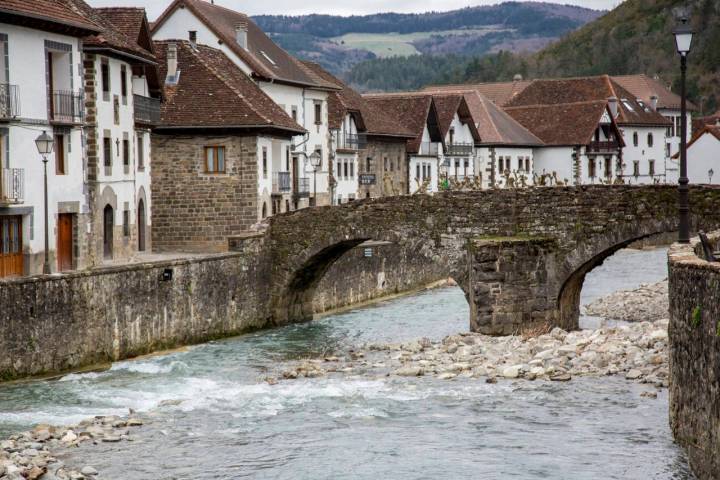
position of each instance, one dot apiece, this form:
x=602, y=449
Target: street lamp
x=683, y=39
x=711, y=172
x=315, y=160
x=44, y=143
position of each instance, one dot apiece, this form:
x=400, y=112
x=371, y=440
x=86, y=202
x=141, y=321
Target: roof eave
x=118, y=52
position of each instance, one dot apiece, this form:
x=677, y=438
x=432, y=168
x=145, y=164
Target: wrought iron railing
x=607, y=146
x=351, y=141
x=66, y=107
x=459, y=149
x=366, y=179
x=282, y=182
x=9, y=101
x=301, y=188
x=147, y=109
x=429, y=148
x=12, y=185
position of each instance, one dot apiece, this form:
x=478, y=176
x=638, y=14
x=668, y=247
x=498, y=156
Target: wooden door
x=141, y=225
x=108, y=226
x=65, y=242
x=11, y=256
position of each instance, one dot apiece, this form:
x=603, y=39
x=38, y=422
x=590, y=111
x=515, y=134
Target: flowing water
x=211, y=416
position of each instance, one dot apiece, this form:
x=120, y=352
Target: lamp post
x=315, y=160
x=711, y=172
x=683, y=39
x=44, y=143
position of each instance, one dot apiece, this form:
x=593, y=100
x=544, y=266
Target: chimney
x=241, y=31
x=171, y=62
x=653, y=102
x=517, y=78
x=613, y=105
x=192, y=36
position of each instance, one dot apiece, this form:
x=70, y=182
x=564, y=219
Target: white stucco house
x=283, y=78
x=703, y=156
x=41, y=90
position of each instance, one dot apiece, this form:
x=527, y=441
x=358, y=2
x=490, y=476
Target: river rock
x=69, y=437
x=88, y=471
x=633, y=374
x=512, y=372
x=409, y=372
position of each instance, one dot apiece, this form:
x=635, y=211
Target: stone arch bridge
x=520, y=255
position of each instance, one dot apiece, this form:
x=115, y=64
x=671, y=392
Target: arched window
x=141, y=225
x=108, y=227
x=635, y=139
x=264, y=210
x=650, y=139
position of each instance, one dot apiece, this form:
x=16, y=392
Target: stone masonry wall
x=357, y=278
x=194, y=211
x=694, y=333
x=69, y=321
x=377, y=150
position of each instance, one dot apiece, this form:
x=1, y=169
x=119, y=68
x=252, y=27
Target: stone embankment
x=638, y=352
x=648, y=302
x=33, y=455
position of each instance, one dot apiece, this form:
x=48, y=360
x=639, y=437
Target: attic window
x=628, y=105
x=268, y=58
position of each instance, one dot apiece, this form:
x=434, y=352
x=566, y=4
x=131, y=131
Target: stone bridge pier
x=520, y=256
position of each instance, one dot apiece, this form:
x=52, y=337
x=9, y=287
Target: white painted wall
x=346, y=171
x=554, y=159
x=703, y=155
x=27, y=70
x=643, y=153
x=422, y=166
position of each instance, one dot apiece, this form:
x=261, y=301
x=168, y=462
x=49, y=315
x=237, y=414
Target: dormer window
x=267, y=57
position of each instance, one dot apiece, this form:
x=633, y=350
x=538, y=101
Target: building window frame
x=105, y=79
x=214, y=160
x=123, y=84
x=60, y=154
x=264, y=163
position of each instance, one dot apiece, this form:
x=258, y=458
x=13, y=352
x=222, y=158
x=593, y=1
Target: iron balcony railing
x=9, y=101
x=459, y=149
x=282, y=182
x=301, y=187
x=607, y=146
x=66, y=107
x=366, y=179
x=429, y=149
x=351, y=141
x=12, y=185
x=147, y=110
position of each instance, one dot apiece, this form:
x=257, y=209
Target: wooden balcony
x=459, y=149
x=146, y=110
x=611, y=146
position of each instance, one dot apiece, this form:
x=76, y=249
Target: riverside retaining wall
x=694, y=333
x=68, y=321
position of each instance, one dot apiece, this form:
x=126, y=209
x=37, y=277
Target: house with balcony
x=642, y=130
x=420, y=168
x=122, y=102
x=41, y=89
x=219, y=139
x=460, y=135
x=366, y=141
x=303, y=96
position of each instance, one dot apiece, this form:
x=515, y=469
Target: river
x=210, y=415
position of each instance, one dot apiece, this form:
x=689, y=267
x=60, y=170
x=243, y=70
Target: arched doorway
x=141, y=225
x=108, y=226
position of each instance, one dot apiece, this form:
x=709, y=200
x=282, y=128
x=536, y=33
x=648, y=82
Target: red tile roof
x=373, y=119
x=266, y=59
x=58, y=12
x=644, y=87
x=447, y=106
x=713, y=130
x=499, y=93
x=213, y=92
x=495, y=126
x=561, y=124
x=132, y=22
x=414, y=110
x=588, y=89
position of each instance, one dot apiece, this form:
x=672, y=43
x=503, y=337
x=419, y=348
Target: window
x=417, y=170
x=457, y=167
x=650, y=139
x=636, y=168
x=520, y=163
x=126, y=152
x=591, y=167
x=678, y=126
x=264, y=162
x=59, y=148
x=105, y=77
x=107, y=151
x=352, y=169
x=318, y=113
x=140, y=151
x=126, y=223
x=635, y=139
x=608, y=167
x=527, y=164
x=667, y=149
x=287, y=159
x=293, y=113
x=339, y=168
x=123, y=84
x=392, y=165
x=214, y=159
x=386, y=163
x=651, y=168
x=345, y=172
x=465, y=167
x=264, y=210
x=452, y=135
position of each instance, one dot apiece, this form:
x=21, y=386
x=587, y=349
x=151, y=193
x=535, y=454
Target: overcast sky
x=358, y=7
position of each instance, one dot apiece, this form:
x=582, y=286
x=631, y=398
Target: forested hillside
x=636, y=37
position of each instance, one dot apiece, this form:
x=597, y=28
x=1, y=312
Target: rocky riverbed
x=33, y=455
x=636, y=351
x=647, y=302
